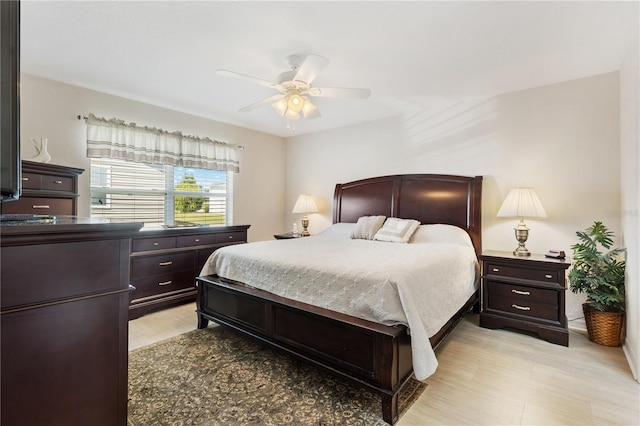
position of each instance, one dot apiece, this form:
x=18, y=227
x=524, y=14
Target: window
x=157, y=195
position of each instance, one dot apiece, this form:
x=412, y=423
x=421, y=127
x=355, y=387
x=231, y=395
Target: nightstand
x=526, y=293
x=286, y=236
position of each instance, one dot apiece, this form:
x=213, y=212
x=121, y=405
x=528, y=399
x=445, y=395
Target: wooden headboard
x=452, y=200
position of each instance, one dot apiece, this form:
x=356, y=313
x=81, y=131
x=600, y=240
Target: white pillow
x=367, y=227
x=397, y=230
x=440, y=233
x=338, y=230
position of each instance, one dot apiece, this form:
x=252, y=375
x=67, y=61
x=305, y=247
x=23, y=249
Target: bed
x=376, y=355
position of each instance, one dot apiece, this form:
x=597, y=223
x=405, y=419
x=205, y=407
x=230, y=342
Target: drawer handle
x=496, y=269
x=167, y=263
x=524, y=293
x=25, y=179
x=231, y=237
x=165, y=282
x=58, y=182
x=522, y=308
x=548, y=276
x=40, y=206
x=197, y=240
x=156, y=244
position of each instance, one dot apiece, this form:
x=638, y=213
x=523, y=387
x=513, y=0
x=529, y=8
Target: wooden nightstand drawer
x=523, y=293
x=522, y=307
x=519, y=272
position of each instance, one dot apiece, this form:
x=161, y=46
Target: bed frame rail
x=359, y=350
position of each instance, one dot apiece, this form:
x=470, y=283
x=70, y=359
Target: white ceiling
x=408, y=53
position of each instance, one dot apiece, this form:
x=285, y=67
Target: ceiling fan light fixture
x=291, y=114
x=308, y=108
x=295, y=103
x=280, y=106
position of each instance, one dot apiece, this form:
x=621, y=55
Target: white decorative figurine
x=41, y=149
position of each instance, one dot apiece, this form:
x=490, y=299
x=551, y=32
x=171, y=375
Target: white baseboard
x=632, y=358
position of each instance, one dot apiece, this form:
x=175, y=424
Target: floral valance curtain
x=116, y=139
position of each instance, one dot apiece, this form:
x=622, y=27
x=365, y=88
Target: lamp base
x=521, y=251
x=522, y=234
x=305, y=225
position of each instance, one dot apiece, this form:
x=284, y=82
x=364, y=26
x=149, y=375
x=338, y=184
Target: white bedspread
x=418, y=285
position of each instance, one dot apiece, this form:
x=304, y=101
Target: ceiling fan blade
x=339, y=92
x=310, y=68
x=239, y=76
x=269, y=100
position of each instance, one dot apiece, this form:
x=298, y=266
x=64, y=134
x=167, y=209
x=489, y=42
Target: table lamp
x=522, y=202
x=305, y=204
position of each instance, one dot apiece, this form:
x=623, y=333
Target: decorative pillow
x=441, y=233
x=367, y=226
x=397, y=230
x=338, y=230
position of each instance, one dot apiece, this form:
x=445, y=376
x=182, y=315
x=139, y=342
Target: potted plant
x=598, y=271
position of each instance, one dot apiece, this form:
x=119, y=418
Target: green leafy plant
x=598, y=270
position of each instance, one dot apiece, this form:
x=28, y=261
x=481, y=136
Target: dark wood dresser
x=64, y=322
x=527, y=293
x=166, y=262
x=47, y=189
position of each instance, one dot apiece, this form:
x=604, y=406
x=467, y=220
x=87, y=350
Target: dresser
x=64, y=322
x=526, y=293
x=165, y=263
x=47, y=189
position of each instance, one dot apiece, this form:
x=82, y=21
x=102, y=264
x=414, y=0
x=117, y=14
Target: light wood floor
x=492, y=377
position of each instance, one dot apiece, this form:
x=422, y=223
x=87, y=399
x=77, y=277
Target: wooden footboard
x=374, y=355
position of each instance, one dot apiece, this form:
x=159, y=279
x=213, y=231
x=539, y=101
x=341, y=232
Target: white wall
x=630, y=206
x=49, y=110
x=562, y=140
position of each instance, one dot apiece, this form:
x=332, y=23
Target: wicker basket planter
x=604, y=328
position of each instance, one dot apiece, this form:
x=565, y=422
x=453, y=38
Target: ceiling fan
x=295, y=85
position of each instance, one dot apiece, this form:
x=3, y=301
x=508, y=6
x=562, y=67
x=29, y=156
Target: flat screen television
x=10, y=180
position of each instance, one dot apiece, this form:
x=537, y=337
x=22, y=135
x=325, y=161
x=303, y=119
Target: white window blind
x=159, y=195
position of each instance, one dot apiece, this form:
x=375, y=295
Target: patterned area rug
x=217, y=376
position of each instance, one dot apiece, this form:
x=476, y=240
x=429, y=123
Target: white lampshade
x=308, y=108
x=305, y=204
x=295, y=103
x=291, y=114
x=280, y=106
x=522, y=202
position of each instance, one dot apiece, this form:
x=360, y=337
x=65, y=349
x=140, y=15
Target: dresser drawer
x=57, y=183
x=37, y=205
x=525, y=294
x=521, y=307
x=160, y=284
x=148, y=244
x=161, y=264
x=31, y=180
x=196, y=240
x=550, y=276
x=231, y=237
x=76, y=268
